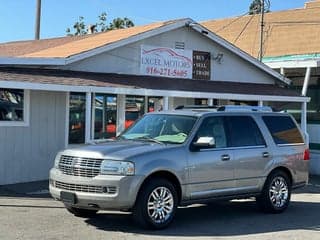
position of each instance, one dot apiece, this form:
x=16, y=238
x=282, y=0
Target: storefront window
x=11, y=104
x=201, y=101
x=77, y=115
x=155, y=104
x=134, y=109
x=313, y=107
x=105, y=117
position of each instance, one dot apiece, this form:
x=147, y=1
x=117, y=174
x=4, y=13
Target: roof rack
x=237, y=108
x=227, y=108
x=196, y=107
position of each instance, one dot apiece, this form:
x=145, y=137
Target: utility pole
x=38, y=19
x=261, y=30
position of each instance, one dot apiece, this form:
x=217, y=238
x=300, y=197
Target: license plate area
x=68, y=197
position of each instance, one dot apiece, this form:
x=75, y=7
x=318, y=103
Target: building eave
x=150, y=92
x=5, y=61
x=293, y=64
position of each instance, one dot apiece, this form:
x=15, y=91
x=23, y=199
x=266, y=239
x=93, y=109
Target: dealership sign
x=166, y=62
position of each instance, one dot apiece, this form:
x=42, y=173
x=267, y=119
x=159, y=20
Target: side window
x=14, y=107
x=283, y=129
x=244, y=132
x=11, y=105
x=213, y=127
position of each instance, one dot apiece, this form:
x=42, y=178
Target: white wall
x=314, y=167
x=126, y=59
x=27, y=153
x=314, y=132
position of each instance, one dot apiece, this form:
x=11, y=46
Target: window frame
x=194, y=137
x=284, y=144
x=26, y=112
x=229, y=134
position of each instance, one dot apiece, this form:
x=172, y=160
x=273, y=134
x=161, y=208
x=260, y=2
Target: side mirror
x=204, y=142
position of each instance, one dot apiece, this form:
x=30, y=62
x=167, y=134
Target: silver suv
x=181, y=157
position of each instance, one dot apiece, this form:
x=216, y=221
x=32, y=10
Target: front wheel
x=156, y=204
x=275, y=196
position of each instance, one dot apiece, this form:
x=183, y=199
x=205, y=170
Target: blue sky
x=17, y=17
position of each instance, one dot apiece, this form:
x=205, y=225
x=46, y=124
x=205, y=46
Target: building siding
x=126, y=59
x=27, y=153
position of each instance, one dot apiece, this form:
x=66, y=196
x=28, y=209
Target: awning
x=64, y=80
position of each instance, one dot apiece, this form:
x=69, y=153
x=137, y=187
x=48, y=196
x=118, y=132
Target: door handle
x=225, y=157
x=265, y=154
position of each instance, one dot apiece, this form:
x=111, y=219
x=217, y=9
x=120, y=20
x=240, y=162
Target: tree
x=255, y=7
x=120, y=23
x=81, y=28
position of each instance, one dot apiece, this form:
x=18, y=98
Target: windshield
x=161, y=128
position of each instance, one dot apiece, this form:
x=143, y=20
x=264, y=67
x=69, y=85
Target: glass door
x=105, y=116
x=77, y=113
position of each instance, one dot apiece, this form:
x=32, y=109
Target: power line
x=231, y=22
x=255, y=38
x=243, y=29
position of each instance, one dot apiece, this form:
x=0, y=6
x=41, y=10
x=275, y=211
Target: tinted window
x=244, y=132
x=283, y=129
x=214, y=127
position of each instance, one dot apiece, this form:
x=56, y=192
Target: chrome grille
x=85, y=188
x=78, y=166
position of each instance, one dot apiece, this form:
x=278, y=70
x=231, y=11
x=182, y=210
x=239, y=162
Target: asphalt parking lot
x=28, y=212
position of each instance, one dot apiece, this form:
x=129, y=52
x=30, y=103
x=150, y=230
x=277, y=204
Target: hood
x=117, y=150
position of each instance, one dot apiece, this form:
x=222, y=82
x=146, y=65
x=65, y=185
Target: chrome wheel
x=160, y=204
x=278, y=192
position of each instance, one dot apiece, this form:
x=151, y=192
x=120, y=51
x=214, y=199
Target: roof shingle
x=68, y=46
x=290, y=32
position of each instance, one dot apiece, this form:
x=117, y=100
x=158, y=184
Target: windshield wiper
x=121, y=138
x=150, y=139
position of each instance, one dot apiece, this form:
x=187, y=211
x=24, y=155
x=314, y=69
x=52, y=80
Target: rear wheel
x=79, y=212
x=156, y=204
x=275, y=196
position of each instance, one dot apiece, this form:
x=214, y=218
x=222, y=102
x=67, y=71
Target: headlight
x=57, y=159
x=117, y=167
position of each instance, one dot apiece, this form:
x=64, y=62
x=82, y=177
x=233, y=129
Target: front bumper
x=122, y=196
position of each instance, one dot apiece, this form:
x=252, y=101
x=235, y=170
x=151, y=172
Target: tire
x=156, y=204
x=276, y=193
x=79, y=212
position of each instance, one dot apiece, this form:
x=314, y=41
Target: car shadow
x=221, y=219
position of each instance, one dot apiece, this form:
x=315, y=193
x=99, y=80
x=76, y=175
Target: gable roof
x=290, y=32
x=63, y=51
x=65, y=47
x=20, y=48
